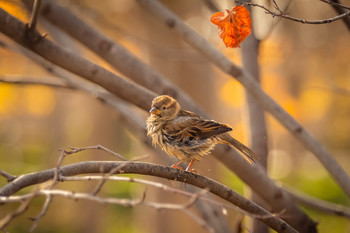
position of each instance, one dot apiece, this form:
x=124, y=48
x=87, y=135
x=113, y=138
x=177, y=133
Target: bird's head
x=165, y=107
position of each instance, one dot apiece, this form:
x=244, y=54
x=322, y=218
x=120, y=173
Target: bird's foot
x=189, y=167
x=193, y=171
x=176, y=165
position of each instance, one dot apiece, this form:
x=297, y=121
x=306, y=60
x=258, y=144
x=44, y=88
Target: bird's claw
x=177, y=167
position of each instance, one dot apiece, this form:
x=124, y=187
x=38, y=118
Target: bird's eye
x=164, y=108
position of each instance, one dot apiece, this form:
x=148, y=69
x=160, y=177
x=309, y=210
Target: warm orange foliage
x=234, y=26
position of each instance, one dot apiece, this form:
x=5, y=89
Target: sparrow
x=187, y=136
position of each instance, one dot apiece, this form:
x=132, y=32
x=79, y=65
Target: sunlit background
x=305, y=68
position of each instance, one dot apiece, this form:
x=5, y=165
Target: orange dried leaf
x=234, y=26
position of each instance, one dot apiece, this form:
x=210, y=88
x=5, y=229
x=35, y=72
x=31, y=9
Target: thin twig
x=33, y=80
x=334, y=3
x=164, y=188
x=340, y=9
x=42, y=213
x=34, y=15
x=109, y=200
x=97, y=147
x=57, y=173
x=286, y=16
x=8, y=176
x=105, y=178
x=199, y=220
x=21, y=209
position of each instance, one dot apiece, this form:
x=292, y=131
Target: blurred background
x=305, y=68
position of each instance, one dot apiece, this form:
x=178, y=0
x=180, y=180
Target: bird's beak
x=155, y=111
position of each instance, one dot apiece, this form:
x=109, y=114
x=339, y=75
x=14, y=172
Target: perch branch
x=152, y=170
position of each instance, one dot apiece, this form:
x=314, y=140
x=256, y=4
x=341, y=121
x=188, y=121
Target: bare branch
x=33, y=80
x=97, y=147
x=318, y=204
x=200, y=221
x=115, y=201
x=340, y=9
x=8, y=176
x=21, y=209
x=282, y=14
x=35, y=13
x=114, y=53
x=117, y=85
x=335, y=3
x=153, y=170
x=42, y=213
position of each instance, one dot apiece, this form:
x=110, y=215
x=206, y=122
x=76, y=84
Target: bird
x=187, y=136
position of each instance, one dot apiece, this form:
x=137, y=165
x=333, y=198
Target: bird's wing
x=189, y=125
x=203, y=129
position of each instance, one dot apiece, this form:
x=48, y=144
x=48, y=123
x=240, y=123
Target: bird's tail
x=249, y=155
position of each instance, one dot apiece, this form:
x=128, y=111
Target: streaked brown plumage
x=185, y=135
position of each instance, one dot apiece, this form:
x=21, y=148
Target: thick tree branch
x=318, y=204
x=114, y=53
x=117, y=85
x=152, y=170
